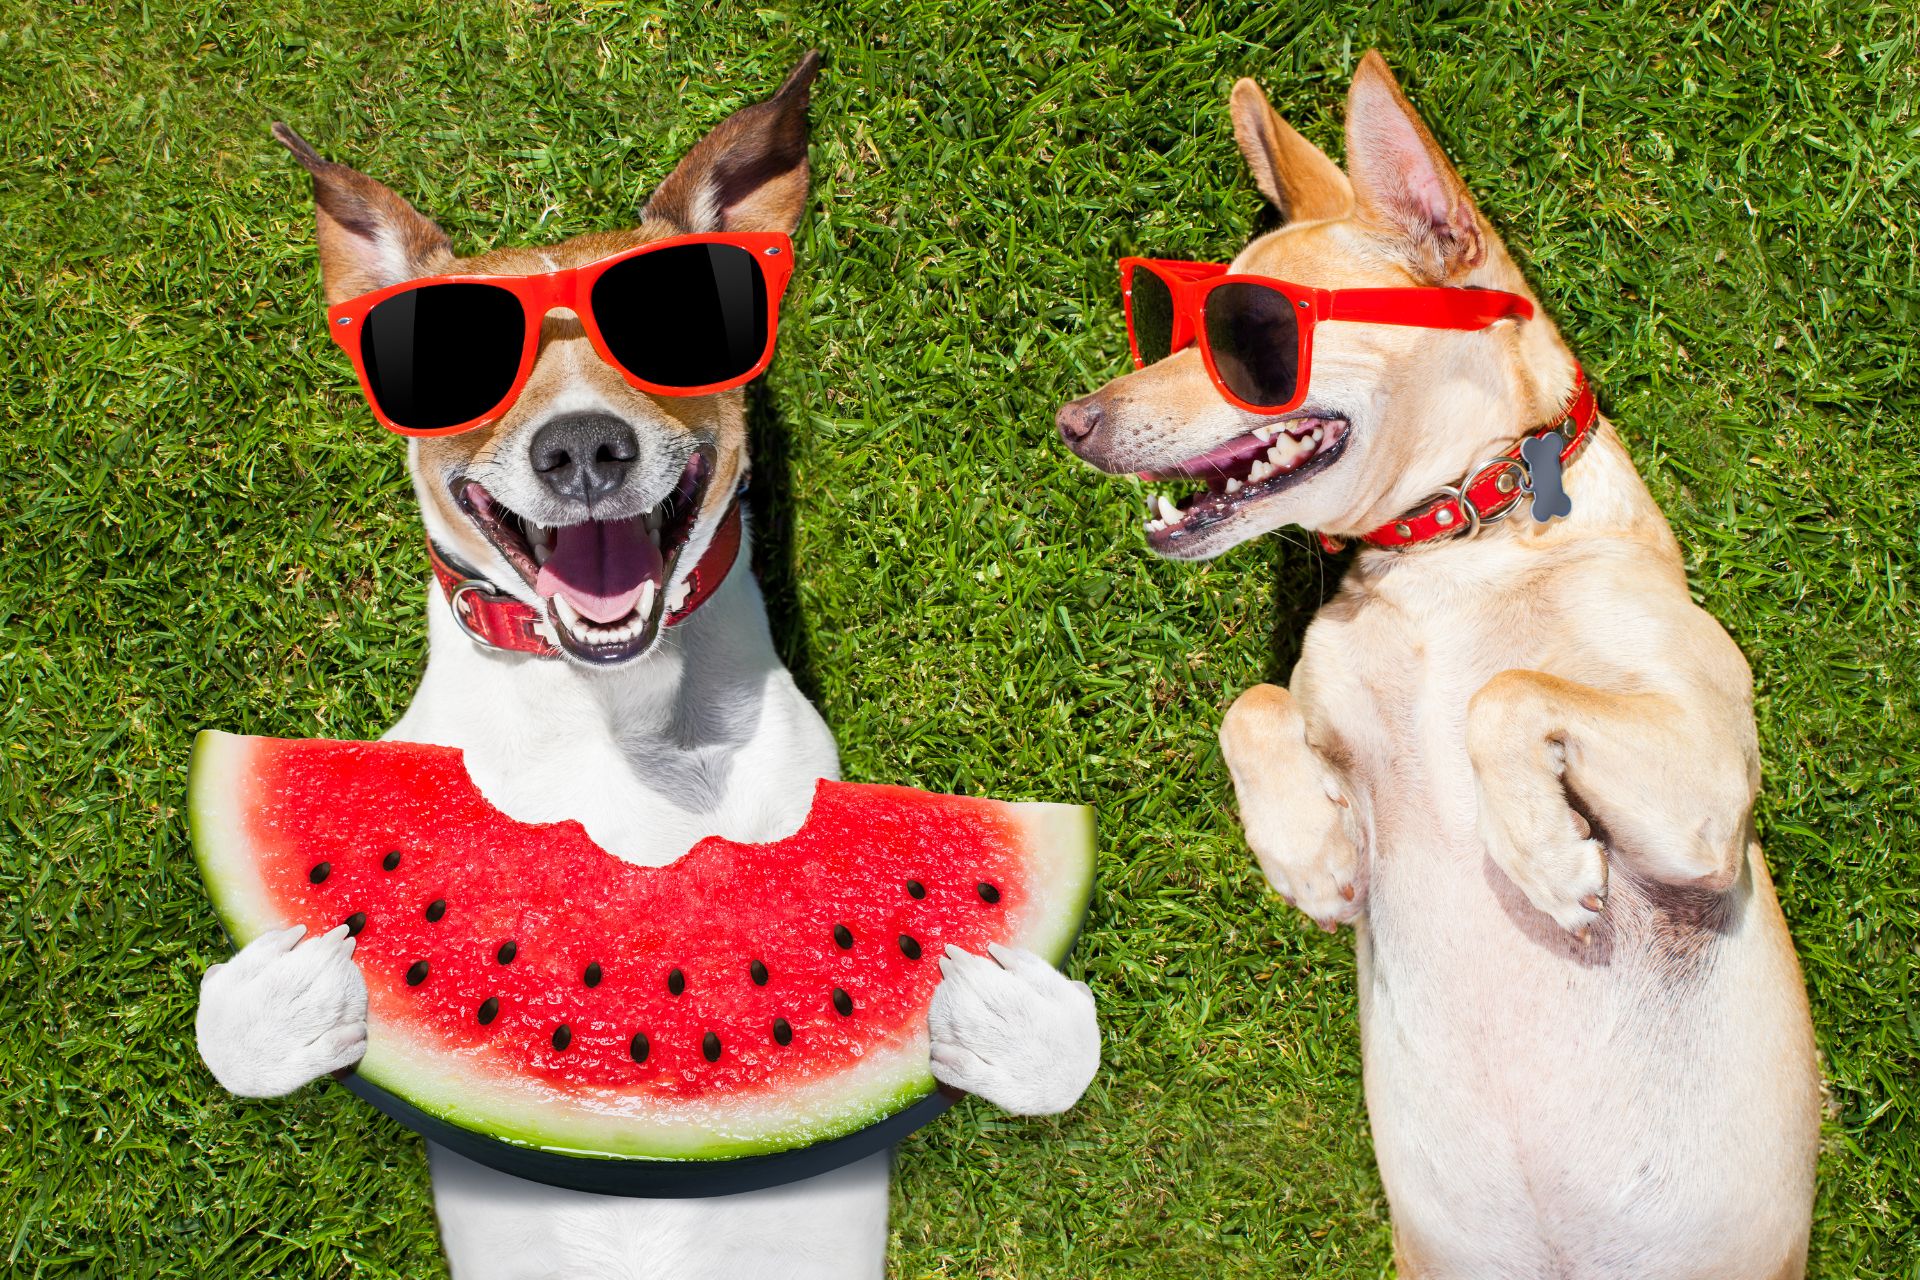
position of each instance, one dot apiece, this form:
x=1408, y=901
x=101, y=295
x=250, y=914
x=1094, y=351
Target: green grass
x=203, y=528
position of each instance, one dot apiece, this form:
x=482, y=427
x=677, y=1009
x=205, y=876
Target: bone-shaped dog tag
x=1542, y=456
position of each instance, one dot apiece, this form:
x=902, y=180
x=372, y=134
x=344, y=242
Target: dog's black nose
x=584, y=455
x=1078, y=419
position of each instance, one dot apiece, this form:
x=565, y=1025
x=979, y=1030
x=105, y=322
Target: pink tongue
x=599, y=566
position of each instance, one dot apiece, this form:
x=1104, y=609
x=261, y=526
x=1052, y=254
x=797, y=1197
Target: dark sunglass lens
x=443, y=354
x=1255, y=341
x=686, y=316
x=1152, y=311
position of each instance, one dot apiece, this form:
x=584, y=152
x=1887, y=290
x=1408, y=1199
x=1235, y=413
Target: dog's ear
x=1290, y=171
x=1403, y=184
x=369, y=237
x=750, y=172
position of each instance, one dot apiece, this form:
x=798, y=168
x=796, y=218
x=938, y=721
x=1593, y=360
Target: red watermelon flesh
x=526, y=985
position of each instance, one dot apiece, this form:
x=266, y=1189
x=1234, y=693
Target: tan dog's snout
x=1080, y=423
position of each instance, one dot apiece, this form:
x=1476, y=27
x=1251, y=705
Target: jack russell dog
x=600, y=651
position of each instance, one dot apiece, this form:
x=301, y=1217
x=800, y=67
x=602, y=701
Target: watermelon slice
x=743, y=1016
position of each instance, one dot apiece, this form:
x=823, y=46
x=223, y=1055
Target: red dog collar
x=1491, y=491
x=501, y=622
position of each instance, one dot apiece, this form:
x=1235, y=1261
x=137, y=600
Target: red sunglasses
x=1256, y=333
x=687, y=316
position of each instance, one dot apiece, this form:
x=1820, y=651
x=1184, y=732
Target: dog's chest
x=1385, y=701
x=732, y=752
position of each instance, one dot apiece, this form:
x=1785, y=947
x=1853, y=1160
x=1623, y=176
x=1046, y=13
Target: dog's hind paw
x=1014, y=1030
x=282, y=1013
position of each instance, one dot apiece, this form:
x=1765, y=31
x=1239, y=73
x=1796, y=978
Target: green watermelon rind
x=1058, y=843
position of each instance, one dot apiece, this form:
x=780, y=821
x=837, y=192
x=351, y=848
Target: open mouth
x=605, y=582
x=1270, y=459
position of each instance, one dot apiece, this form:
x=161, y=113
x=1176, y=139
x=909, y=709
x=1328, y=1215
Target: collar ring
x=459, y=591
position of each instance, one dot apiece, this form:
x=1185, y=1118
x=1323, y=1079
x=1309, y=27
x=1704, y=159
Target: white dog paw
x=1014, y=1030
x=282, y=1013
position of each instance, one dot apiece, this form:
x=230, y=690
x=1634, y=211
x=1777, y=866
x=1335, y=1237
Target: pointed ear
x=1403, y=183
x=750, y=173
x=369, y=237
x=1293, y=173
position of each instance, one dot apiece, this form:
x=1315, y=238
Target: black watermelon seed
x=391, y=861
x=562, y=1037
x=917, y=889
x=436, y=908
x=842, y=1002
x=417, y=974
x=592, y=976
x=508, y=950
x=759, y=972
x=710, y=1047
x=355, y=923
x=842, y=937
x=909, y=946
x=320, y=872
x=489, y=1010
x=782, y=1031
x=988, y=892
x=639, y=1047
x=676, y=981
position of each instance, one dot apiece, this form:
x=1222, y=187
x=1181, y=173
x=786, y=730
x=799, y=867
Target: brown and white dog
x=1519, y=760
x=650, y=735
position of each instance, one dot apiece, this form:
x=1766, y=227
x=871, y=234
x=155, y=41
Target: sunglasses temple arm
x=1426, y=308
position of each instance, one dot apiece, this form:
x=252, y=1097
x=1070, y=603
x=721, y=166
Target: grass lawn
x=204, y=527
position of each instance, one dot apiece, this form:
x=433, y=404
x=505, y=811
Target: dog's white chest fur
x=708, y=736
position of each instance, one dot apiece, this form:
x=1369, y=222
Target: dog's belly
x=496, y=1227
x=1629, y=1109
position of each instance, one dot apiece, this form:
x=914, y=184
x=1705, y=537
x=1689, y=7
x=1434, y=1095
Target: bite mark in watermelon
x=553, y=1009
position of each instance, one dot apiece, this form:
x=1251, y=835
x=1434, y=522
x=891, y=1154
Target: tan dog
x=1522, y=763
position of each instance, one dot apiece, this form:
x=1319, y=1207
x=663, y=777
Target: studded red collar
x=1493, y=489
x=499, y=621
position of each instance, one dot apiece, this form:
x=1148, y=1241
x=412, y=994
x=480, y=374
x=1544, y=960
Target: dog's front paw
x=282, y=1013
x=1298, y=821
x=1014, y=1030
x=1554, y=861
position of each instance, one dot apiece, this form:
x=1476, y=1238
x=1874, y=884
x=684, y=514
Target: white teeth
x=1263, y=434
x=540, y=542
x=1169, y=512
x=1155, y=526
x=600, y=634
x=1234, y=485
x=1318, y=435
x=644, y=606
x=677, y=597
x=1259, y=472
